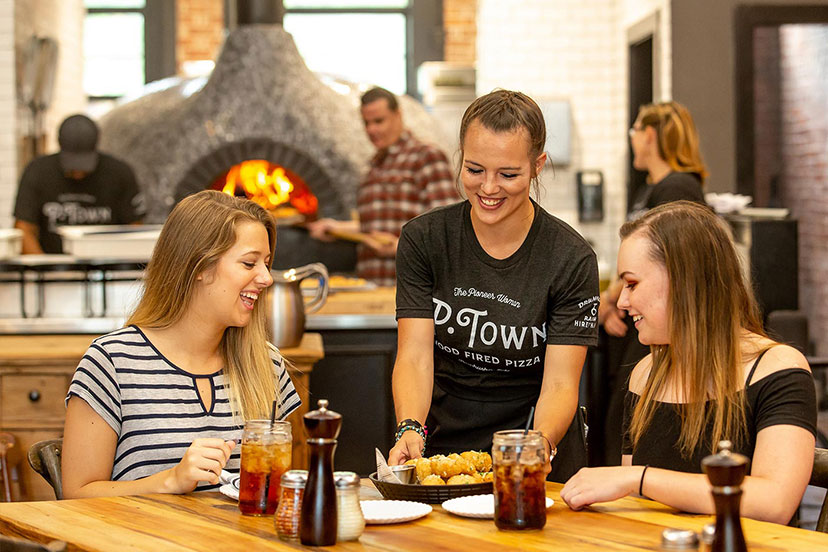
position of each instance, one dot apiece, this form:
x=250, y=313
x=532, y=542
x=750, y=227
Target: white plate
x=392, y=511
x=477, y=506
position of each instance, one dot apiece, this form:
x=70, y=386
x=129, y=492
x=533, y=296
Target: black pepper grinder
x=726, y=470
x=317, y=526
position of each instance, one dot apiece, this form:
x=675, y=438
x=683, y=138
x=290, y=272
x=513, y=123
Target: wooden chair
x=9, y=544
x=819, y=478
x=11, y=483
x=44, y=458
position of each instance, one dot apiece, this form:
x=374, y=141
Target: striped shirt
x=154, y=406
x=406, y=179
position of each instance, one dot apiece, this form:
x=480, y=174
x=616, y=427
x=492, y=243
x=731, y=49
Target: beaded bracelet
x=412, y=425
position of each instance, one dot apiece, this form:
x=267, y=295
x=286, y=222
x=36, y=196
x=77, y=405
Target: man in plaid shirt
x=406, y=178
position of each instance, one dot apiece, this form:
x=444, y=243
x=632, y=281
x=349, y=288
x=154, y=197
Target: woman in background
x=496, y=299
x=712, y=374
x=665, y=145
x=156, y=407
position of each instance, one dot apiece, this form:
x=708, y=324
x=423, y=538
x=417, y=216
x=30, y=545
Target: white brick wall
x=8, y=127
x=20, y=20
x=558, y=49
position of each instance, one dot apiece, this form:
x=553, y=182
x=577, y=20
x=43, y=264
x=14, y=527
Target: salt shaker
x=707, y=534
x=726, y=470
x=318, y=521
x=290, y=504
x=351, y=522
x=679, y=539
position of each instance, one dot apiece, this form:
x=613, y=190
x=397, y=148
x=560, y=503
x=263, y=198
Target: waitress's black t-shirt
x=493, y=318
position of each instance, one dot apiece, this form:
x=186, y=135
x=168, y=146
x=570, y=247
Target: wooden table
x=209, y=521
x=35, y=371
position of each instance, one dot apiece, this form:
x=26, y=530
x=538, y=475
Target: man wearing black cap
x=78, y=185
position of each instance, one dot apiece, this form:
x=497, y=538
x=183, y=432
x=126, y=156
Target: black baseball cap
x=78, y=139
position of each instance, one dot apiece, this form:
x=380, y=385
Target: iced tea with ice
x=519, y=481
x=265, y=456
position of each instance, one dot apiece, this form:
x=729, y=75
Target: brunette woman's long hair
x=678, y=140
x=200, y=229
x=710, y=304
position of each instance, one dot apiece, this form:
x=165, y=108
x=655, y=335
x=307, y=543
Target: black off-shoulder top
x=785, y=397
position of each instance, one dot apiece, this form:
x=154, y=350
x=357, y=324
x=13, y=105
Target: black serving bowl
x=431, y=494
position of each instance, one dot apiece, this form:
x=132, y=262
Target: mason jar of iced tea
x=265, y=456
x=518, y=461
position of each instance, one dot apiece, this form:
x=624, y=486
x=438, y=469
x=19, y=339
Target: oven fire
x=272, y=186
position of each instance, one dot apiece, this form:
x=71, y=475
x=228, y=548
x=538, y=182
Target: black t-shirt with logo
x=493, y=318
x=47, y=198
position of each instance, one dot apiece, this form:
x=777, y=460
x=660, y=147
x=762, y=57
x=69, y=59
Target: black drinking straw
x=529, y=420
x=263, y=504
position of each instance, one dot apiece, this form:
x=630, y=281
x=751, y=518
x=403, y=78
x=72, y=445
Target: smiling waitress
x=496, y=298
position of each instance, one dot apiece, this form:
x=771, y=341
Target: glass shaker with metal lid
x=351, y=522
x=679, y=539
x=289, y=512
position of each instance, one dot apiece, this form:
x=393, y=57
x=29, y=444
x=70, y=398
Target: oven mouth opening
x=276, y=188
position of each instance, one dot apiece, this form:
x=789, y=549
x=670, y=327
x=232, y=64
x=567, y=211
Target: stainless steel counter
x=100, y=326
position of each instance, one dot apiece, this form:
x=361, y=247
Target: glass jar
x=265, y=456
x=289, y=512
x=350, y=521
x=518, y=460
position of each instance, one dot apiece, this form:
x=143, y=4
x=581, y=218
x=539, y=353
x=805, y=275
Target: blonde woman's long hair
x=200, y=229
x=678, y=140
x=710, y=305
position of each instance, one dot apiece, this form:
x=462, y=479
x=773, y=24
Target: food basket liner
x=431, y=494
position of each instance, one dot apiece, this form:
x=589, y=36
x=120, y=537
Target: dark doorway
x=641, y=92
x=752, y=23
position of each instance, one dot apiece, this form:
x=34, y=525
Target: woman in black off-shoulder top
x=712, y=374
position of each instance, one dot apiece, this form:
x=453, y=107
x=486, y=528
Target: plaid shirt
x=406, y=179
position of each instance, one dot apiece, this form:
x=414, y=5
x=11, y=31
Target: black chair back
x=819, y=478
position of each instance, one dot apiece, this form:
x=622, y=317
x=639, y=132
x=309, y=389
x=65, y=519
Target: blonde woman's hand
x=609, y=315
x=409, y=446
x=591, y=485
x=613, y=320
x=203, y=461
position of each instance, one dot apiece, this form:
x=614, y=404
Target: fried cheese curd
x=455, y=469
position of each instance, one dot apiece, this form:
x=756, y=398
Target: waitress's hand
x=203, y=461
x=409, y=446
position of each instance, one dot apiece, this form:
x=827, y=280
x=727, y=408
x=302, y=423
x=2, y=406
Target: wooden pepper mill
x=726, y=470
x=318, y=522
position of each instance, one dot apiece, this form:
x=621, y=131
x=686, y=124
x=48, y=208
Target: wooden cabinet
x=35, y=372
x=34, y=375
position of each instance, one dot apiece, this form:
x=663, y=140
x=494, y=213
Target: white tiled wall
x=8, y=139
x=19, y=20
x=559, y=49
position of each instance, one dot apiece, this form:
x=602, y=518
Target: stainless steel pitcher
x=287, y=306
